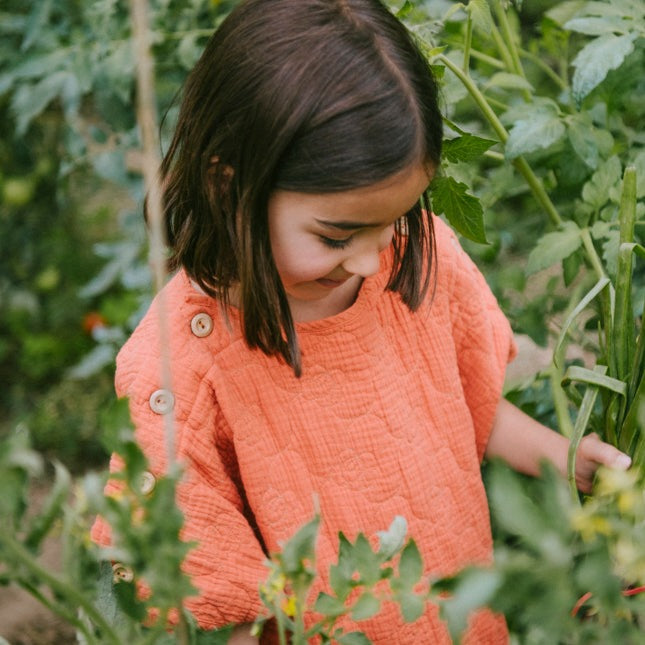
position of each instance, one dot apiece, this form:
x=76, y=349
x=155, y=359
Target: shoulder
x=183, y=325
x=456, y=273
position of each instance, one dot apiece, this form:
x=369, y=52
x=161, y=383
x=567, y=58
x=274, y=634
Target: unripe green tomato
x=17, y=191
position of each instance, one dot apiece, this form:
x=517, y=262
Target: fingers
x=603, y=453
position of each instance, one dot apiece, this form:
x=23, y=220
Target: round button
x=201, y=325
x=162, y=401
x=121, y=573
x=147, y=482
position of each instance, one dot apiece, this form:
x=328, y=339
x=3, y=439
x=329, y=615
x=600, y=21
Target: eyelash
x=335, y=244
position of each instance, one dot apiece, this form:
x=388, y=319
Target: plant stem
x=477, y=96
x=148, y=124
x=507, y=34
x=560, y=401
x=535, y=184
x=592, y=253
x=469, y=38
x=536, y=60
x=539, y=192
x=59, y=587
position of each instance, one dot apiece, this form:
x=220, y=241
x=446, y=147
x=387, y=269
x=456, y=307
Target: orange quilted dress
x=390, y=417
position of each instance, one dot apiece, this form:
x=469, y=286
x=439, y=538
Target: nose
x=365, y=258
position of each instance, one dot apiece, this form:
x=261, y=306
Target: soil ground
x=23, y=620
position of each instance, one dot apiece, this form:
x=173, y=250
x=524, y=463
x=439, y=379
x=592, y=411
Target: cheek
x=300, y=258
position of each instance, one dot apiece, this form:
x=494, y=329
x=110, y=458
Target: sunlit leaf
x=554, y=247
x=538, y=130
x=596, y=59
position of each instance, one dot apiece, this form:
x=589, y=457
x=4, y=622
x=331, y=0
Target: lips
x=330, y=284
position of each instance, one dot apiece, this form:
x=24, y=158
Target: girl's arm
x=524, y=443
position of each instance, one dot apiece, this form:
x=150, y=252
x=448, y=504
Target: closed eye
x=333, y=243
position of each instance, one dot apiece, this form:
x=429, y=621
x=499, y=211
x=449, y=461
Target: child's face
x=325, y=244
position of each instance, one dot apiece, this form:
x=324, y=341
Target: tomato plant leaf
x=596, y=59
x=464, y=211
x=466, y=147
x=509, y=81
x=480, y=13
x=554, y=247
x=368, y=563
x=328, y=605
x=412, y=606
x=391, y=541
x=366, y=607
x=354, y=638
x=410, y=565
x=301, y=547
x=538, y=129
x=596, y=191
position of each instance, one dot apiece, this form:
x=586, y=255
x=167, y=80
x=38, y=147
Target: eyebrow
x=346, y=225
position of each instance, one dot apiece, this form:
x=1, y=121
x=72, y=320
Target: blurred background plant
x=73, y=273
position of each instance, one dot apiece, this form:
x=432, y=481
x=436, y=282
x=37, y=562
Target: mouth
x=330, y=284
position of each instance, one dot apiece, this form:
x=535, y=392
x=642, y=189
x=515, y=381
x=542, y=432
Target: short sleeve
x=482, y=335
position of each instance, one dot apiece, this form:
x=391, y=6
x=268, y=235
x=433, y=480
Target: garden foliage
x=544, y=177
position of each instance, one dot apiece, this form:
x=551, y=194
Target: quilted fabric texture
x=390, y=417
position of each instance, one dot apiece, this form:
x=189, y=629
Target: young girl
x=329, y=338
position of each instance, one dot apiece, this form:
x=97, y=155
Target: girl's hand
x=592, y=453
x=524, y=443
x=242, y=636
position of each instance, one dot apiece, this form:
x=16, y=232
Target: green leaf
x=595, y=192
x=595, y=377
x=410, y=565
x=368, y=563
x=597, y=26
x=467, y=147
x=596, y=59
x=509, y=82
x=366, y=607
x=301, y=547
x=354, y=638
x=341, y=574
x=328, y=605
x=391, y=541
x=570, y=268
x=564, y=11
x=539, y=129
x=30, y=100
x=554, y=247
x=583, y=139
x=480, y=13
x=36, y=22
x=513, y=509
x=405, y=10
x=593, y=292
x=475, y=589
x=464, y=211
x=412, y=606
x=214, y=636
x=623, y=330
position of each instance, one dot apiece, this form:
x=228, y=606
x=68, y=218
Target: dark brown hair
x=307, y=95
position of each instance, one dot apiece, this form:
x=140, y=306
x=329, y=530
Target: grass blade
x=575, y=312
x=623, y=327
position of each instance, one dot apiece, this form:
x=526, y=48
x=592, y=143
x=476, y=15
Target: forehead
x=377, y=205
